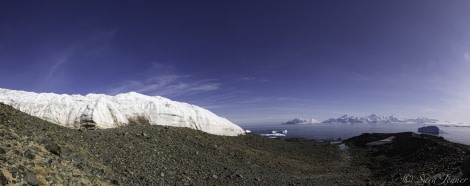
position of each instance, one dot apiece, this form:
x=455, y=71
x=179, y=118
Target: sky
x=251, y=62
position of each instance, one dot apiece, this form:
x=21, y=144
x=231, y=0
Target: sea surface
x=341, y=131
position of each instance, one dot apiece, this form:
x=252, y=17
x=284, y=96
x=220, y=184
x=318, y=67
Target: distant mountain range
x=373, y=118
x=301, y=121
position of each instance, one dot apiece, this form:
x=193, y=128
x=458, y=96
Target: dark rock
x=2, y=151
x=29, y=154
x=466, y=167
x=30, y=178
x=115, y=182
x=14, y=136
x=52, y=147
x=3, y=179
x=13, y=170
x=76, y=183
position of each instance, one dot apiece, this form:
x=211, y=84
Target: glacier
x=113, y=111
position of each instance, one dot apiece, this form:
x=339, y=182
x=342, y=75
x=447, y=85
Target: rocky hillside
x=36, y=152
x=416, y=159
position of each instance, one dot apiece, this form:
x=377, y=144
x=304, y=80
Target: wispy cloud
x=248, y=78
x=93, y=44
x=56, y=65
x=254, y=79
x=166, y=83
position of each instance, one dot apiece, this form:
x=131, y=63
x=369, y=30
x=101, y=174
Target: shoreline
x=330, y=132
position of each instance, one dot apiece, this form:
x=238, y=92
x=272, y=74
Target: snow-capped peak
x=113, y=111
x=301, y=121
x=346, y=116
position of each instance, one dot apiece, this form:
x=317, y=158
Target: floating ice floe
x=275, y=134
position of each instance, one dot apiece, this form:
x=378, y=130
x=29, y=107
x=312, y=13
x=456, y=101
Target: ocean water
x=335, y=131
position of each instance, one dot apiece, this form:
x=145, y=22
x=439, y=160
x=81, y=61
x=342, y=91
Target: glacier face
x=113, y=111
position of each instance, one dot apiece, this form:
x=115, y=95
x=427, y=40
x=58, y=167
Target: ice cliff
x=113, y=111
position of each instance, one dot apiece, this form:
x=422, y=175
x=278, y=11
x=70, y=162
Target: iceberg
x=107, y=111
x=429, y=130
x=275, y=134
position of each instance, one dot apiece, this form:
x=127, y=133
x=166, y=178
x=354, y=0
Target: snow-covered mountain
x=113, y=111
x=376, y=119
x=422, y=120
x=301, y=121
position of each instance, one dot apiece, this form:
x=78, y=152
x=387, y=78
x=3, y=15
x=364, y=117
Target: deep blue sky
x=249, y=61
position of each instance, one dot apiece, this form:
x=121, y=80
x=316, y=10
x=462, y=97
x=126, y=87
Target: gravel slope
x=36, y=152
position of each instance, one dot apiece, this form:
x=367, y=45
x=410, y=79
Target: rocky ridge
x=412, y=159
